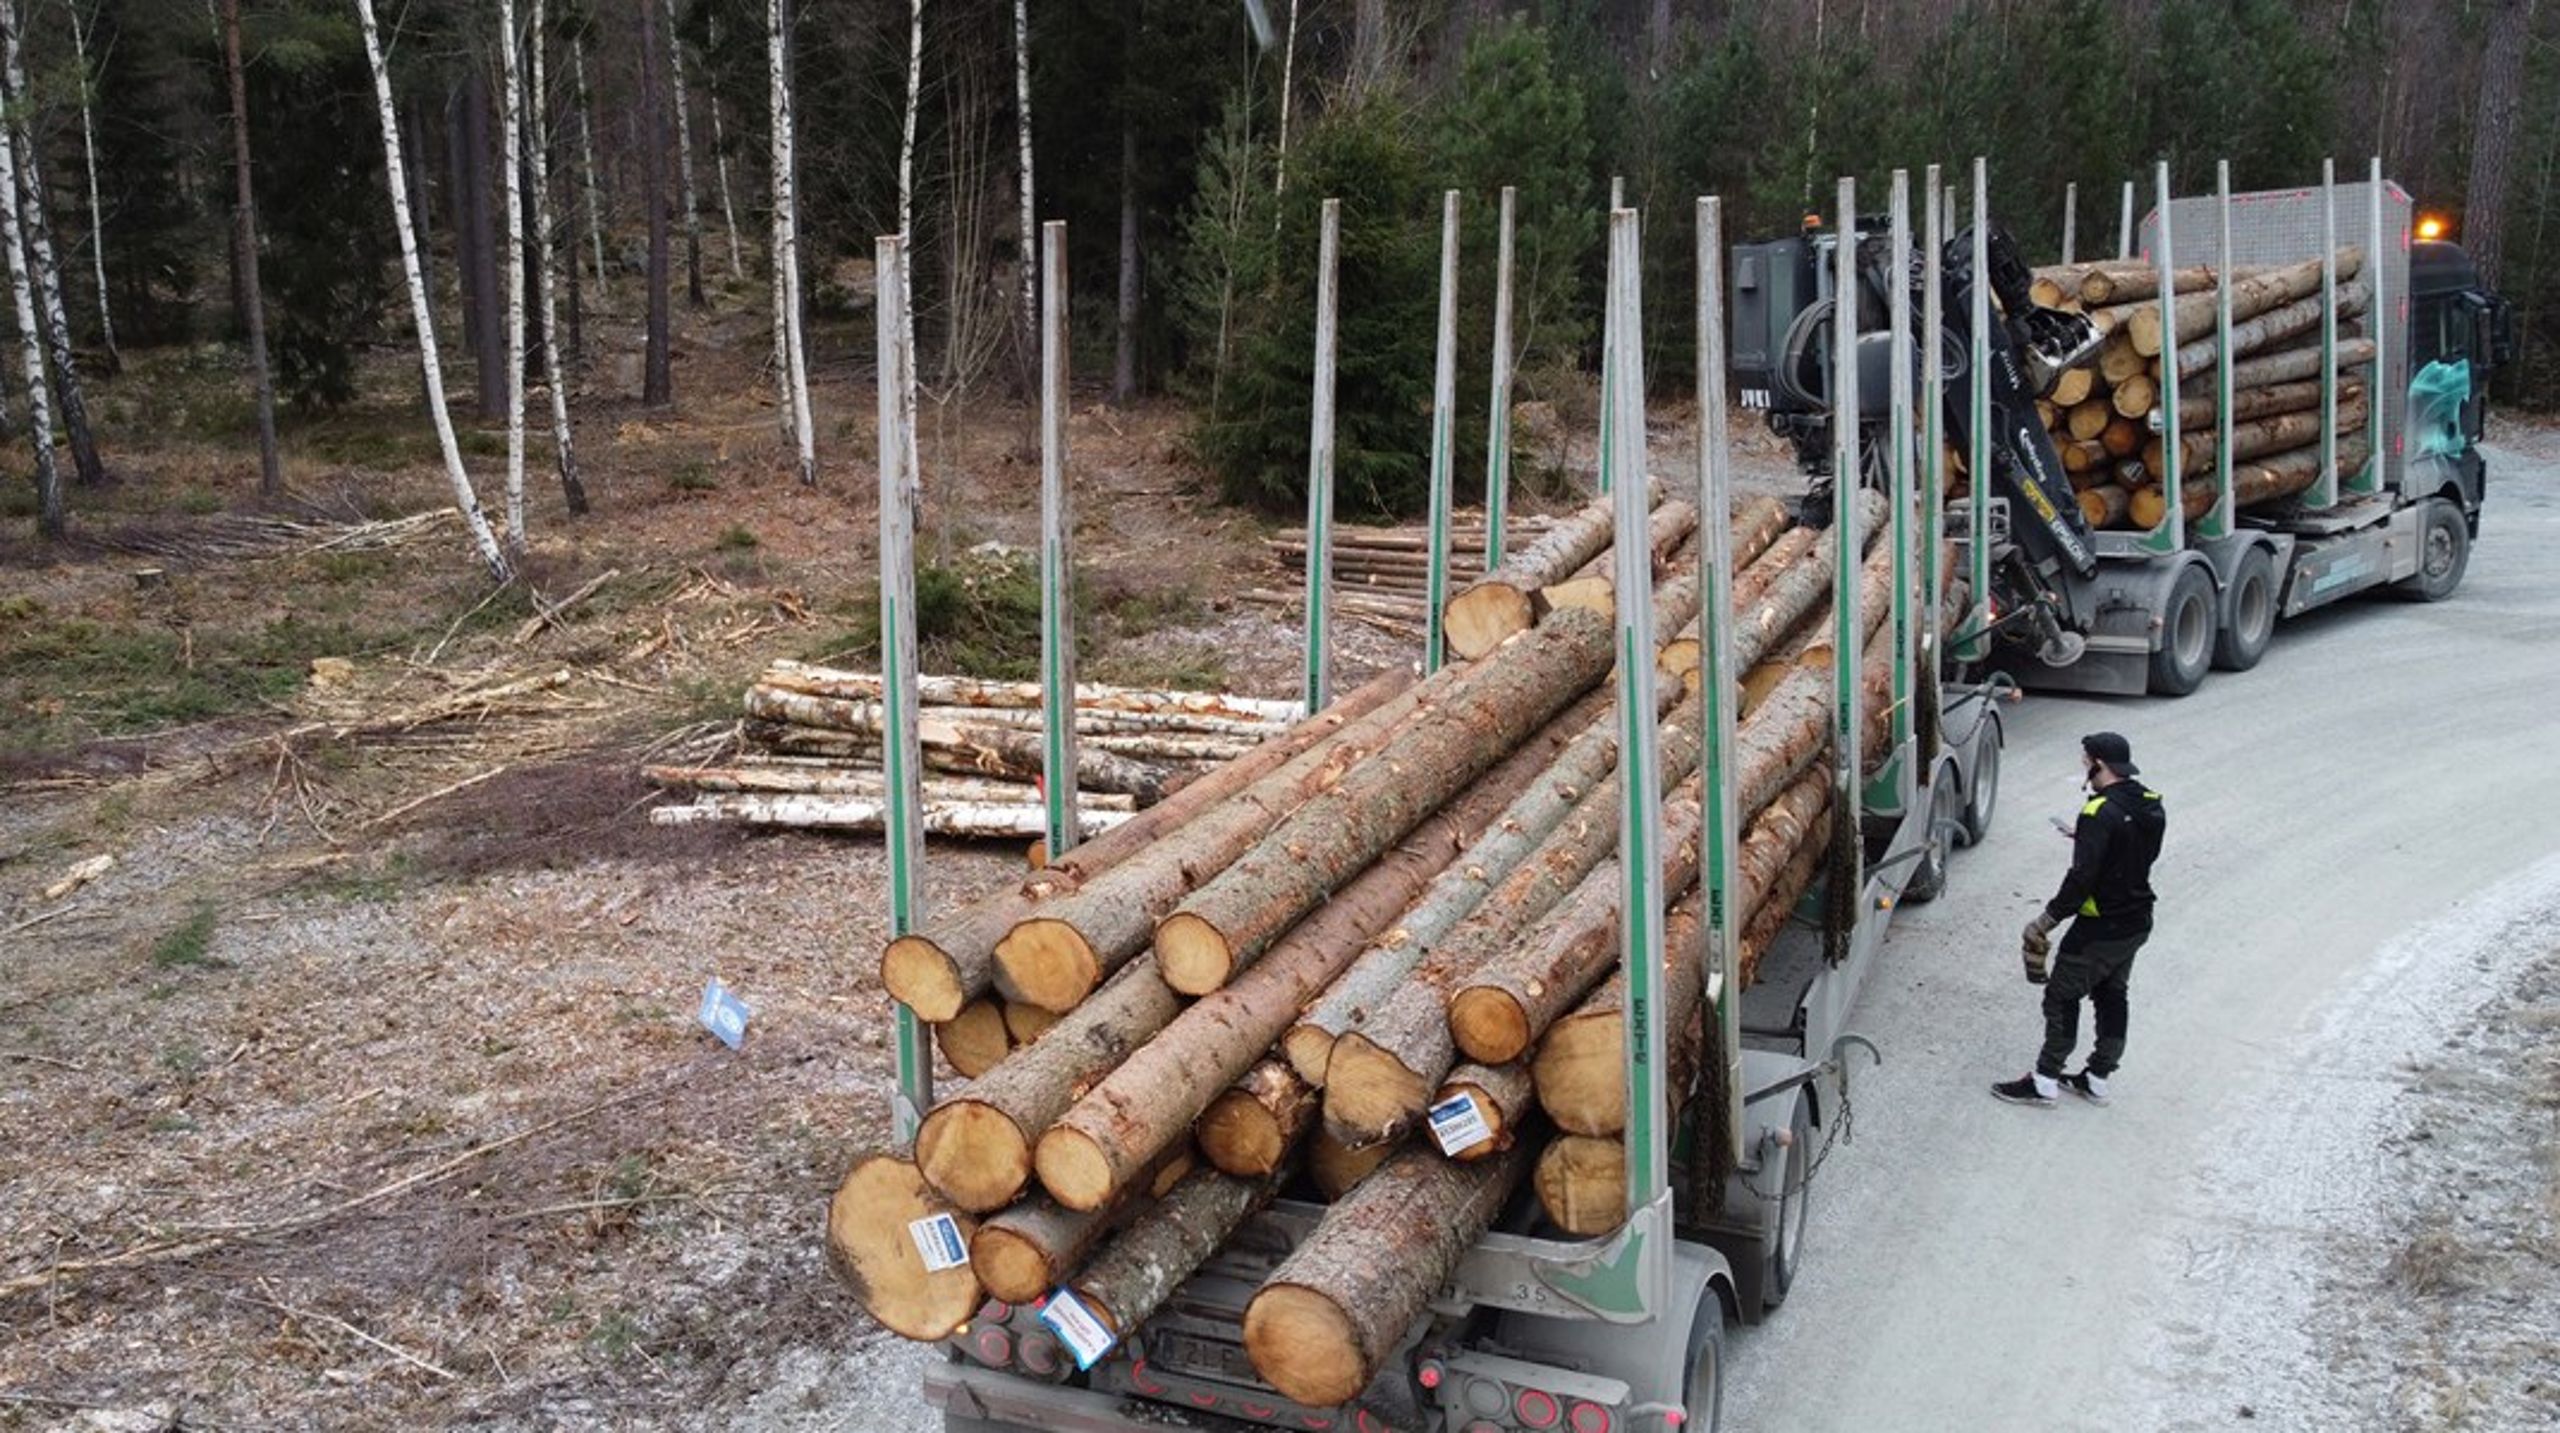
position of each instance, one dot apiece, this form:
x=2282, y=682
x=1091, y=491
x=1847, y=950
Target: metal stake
x=901, y=754
x=1319, y=682
x=1444, y=414
x=1057, y=556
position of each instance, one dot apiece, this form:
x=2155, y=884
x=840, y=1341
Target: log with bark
x=1507, y=600
x=970, y=820
x=940, y=968
x=2072, y=386
x=2274, y=433
x=2270, y=328
x=1249, y=1130
x=1090, y=697
x=2104, y=505
x=978, y=747
x=1141, y=1267
x=2266, y=400
x=872, y=1250
x=2298, y=363
x=974, y=1040
x=1147, y=1105
x=1026, y=1023
x=1226, y=924
x=2122, y=437
x=1326, y=1320
x=1593, y=586
x=2135, y=397
x=2133, y=280
x=2088, y=418
x=1059, y=951
x=1338, y=1168
x=793, y=776
x=1503, y=1096
x=1030, y=1248
x=2251, y=294
x=2266, y=480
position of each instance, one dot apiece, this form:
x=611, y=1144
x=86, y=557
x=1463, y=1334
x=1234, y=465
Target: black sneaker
x=2023, y=1090
x=2092, y=1088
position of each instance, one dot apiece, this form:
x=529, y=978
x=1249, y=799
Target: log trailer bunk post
x=1626, y=1331
x=2125, y=612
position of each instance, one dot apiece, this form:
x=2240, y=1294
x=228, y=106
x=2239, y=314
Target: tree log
x=1026, y=1023
x=2251, y=294
x=1226, y=924
x=2088, y=418
x=2298, y=363
x=871, y=1250
x=973, y=1041
x=1325, y=1321
x=975, y=1146
x=1506, y=600
x=2122, y=437
x=2272, y=434
x=2104, y=505
x=942, y=691
x=2135, y=396
x=1108, y=1138
x=938, y=969
x=2079, y=455
x=1503, y=1095
x=2118, y=359
x=2270, y=328
x=2133, y=280
x=2282, y=475
x=2264, y=401
x=1338, y=1168
x=1248, y=1131
x=959, y=819
x=1031, y=1248
x=978, y=747
x=1138, y=1270
x=1058, y=952
x=2073, y=386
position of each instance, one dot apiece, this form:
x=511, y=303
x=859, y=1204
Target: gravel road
x=2362, y=853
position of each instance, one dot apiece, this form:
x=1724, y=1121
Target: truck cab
x=2459, y=334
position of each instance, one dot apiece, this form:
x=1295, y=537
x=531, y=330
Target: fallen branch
x=548, y=615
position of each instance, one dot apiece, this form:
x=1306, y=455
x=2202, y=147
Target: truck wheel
x=2243, y=639
x=1946, y=823
x=2186, y=634
x=1786, y=1248
x=1983, y=796
x=2444, y=553
x=1703, y=1398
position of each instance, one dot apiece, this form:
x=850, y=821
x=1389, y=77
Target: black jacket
x=2109, y=884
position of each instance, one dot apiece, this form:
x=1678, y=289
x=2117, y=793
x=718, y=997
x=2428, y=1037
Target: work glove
x=2037, y=946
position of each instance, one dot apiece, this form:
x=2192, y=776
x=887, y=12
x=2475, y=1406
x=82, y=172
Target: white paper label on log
x=1077, y=1328
x=938, y=1239
x=1458, y=1124
x=723, y=1014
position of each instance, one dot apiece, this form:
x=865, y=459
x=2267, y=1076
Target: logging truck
x=2177, y=457
x=1425, y=1279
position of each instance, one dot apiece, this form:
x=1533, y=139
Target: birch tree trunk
x=253, y=312
x=48, y=274
x=30, y=350
x=511, y=150
x=1030, y=242
x=657, y=381
x=684, y=162
x=720, y=162
x=791, y=366
x=907, y=229
x=546, y=278
x=97, y=214
x=587, y=161
x=484, y=541
x=1288, y=83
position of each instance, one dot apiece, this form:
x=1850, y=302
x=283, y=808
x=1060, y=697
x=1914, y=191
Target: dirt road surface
x=2284, y=1219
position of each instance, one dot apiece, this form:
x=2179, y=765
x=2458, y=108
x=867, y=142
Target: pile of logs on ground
x=1267, y=980
x=815, y=755
x=1381, y=573
x=2106, y=416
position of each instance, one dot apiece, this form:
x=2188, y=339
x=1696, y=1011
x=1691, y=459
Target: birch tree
x=587, y=160
x=906, y=226
x=484, y=541
x=253, y=309
x=720, y=160
x=80, y=28
x=791, y=364
x=48, y=274
x=684, y=161
x=30, y=347
x=1029, y=248
x=511, y=146
x=545, y=278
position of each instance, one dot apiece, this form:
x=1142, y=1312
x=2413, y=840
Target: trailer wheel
x=1703, y=1398
x=1946, y=823
x=2243, y=639
x=1983, y=796
x=2186, y=635
x=2444, y=553
x=1786, y=1245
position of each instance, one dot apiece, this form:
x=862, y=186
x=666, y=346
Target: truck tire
x=1702, y=1397
x=2444, y=552
x=1946, y=826
x=2186, y=634
x=1786, y=1245
x=1982, y=797
x=2251, y=621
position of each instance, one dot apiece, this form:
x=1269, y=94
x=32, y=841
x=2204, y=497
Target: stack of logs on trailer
x=1269, y=980
x=2106, y=416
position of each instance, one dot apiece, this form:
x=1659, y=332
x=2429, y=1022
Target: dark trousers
x=2094, y=970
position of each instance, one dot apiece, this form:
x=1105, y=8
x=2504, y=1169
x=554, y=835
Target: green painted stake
x=1444, y=416
x=1319, y=682
x=1933, y=317
x=1057, y=557
x=2378, y=250
x=2124, y=224
x=2217, y=522
x=2070, y=219
x=1721, y=953
x=1975, y=642
x=1497, y=459
x=1846, y=556
x=1639, y=760
x=2324, y=492
x=2171, y=534
x=901, y=756
x=1905, y=654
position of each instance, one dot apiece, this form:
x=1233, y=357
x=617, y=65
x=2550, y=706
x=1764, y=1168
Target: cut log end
x=1337, y=1167
x=1303, y=1344
x=1247, y=1131
x=922, y=975
x=1310, y=1050
x=974, y=1154
x=1369, y=1095
x=1073, y=1168
x=1048, y=963
x=1192, y=954
x=1582, y=1182
x=869, y=1245
x=1489, y=1025
x=1580, y=1073
x=973, y=1041
x=1482, y=617
x=1013, y=1267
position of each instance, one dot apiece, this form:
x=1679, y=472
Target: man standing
x=2107, y=898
